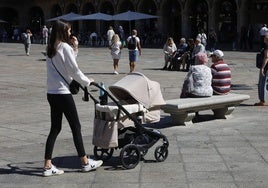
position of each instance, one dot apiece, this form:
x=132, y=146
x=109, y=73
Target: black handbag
x=73, y=86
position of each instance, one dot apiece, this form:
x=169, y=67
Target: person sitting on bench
x=221, y=74
x=198, y=80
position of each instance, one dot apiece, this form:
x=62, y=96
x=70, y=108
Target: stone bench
x=183, y=110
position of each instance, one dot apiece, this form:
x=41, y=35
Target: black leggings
x=63, y=104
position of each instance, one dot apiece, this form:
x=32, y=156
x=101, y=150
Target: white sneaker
x=92, y=165
x=115, y=72
x=52, y=171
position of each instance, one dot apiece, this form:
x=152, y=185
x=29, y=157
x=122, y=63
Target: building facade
x=177, y=18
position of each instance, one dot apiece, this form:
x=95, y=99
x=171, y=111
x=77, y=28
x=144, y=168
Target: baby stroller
x=118, y=124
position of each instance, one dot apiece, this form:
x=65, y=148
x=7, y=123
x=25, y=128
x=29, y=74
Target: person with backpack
x=263, y=75
x=134, y=49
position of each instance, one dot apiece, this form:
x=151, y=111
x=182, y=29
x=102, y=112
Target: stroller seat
x=113, y=109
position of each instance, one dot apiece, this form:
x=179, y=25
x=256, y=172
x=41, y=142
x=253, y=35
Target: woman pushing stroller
x=62, y=68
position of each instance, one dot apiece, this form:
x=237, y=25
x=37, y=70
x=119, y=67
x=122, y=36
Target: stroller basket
x=108, y=119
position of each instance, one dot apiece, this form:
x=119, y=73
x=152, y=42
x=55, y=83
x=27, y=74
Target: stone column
x=184, y=23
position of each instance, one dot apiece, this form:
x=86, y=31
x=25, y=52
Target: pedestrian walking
x=263, y=31
x=45, y=35
x=134, y=49
x=62, y=68
x=110, y=34
x=263, y=76
x=115, y=48
x=202, y=35
x=121, y=34
x=26, y=37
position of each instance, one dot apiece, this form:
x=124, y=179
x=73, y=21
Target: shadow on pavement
x=27, y=168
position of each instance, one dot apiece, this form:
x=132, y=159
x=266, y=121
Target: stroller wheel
x=130, y=156
x=103, y=154
x=161, y=153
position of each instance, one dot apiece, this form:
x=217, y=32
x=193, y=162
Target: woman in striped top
x=221, y=74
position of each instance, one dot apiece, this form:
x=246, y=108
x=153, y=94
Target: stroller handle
x=94, y=84
x=87, y=94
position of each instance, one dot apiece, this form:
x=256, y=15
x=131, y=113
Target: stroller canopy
x=135, y=87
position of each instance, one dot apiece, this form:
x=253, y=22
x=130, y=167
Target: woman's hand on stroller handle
x=91, y=80
x=93, y=83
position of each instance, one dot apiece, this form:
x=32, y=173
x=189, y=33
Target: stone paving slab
x=230, y=153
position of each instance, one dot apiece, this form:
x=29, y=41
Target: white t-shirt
x=110, y=34
x=263, y=31
x=65, y=62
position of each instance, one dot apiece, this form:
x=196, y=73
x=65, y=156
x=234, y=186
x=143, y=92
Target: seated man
x=187, y=56
x=221, y=74
x=199, y=47
x=178, y=58
x=198, y=80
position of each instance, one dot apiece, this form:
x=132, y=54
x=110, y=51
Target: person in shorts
x=115, y=48
x=134, y=49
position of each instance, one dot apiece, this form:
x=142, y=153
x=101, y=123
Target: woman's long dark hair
x=58, y=34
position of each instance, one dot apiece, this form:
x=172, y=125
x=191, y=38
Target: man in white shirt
x=110, y=34
x=263, y=31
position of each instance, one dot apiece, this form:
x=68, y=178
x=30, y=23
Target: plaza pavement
x=230, y=153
